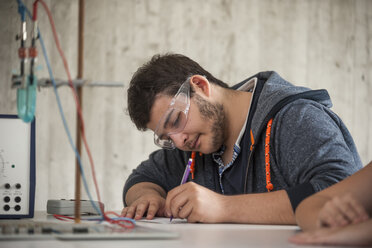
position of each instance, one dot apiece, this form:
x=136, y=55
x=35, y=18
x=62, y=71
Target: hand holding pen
x=185, y=176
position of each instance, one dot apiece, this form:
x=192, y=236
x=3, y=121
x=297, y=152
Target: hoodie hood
x=271, y=91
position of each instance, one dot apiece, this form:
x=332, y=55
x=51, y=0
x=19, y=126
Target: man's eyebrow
x=167, y=119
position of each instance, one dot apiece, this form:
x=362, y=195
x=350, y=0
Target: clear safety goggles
x=174, y=119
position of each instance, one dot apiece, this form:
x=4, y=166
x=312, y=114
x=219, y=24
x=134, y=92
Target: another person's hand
x=341, y=211
x=153, y=204
x=352, y=235
x=195, y=203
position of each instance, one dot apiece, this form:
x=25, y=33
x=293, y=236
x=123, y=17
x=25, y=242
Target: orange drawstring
x=252, y=140
x=192, y=167
x=269, y=185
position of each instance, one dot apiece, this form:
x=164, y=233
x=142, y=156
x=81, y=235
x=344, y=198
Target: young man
x=262, y=136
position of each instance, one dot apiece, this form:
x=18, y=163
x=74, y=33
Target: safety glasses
x=174, y=119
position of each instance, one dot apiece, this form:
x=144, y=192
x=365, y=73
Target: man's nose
x=179, y=139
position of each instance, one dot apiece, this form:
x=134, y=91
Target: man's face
x=205, y=127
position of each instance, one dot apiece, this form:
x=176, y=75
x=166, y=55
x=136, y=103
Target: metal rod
x=80, y=96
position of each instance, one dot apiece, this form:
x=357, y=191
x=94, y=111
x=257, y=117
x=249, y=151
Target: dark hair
x=163, y=74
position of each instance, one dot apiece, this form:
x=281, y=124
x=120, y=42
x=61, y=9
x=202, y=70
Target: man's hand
x=195, y=203
x=153, y=204
x=341, y=211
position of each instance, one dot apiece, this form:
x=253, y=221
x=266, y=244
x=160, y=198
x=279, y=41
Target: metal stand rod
x=78, y=122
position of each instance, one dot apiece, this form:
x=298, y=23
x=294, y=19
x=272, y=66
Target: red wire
x=62, y=217
x=121, y=223
x=82, y=126
x=34, y=13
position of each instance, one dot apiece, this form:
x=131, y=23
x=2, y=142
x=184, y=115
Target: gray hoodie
x=310, y=147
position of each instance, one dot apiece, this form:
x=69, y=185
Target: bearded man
x=259, y=147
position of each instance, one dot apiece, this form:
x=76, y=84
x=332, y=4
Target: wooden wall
x=318, y=43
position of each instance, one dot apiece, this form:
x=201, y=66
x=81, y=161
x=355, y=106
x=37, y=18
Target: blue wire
x=62, y=113
x=114, y=218
x=21, y=10
x=65, y=124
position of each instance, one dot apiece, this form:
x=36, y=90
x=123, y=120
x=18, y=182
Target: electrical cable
x=82, y=127
x=21, y=10
x=62, y=112
x=65, y=124
x=118, y=220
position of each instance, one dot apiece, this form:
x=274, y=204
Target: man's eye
x=176, y=123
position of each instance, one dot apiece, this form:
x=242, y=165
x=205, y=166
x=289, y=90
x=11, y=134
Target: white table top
x=190, y=236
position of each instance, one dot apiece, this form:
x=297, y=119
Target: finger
x=124, y=211
x=178, y=203
x=346, y=208
x=351, y=213
x=130, y=211
x=331, y=221
x=314, y=237
x=153, y=208
x=141, y=208
x=170, y=196
x=321, y=237
x=327, y=215
x=186, y=211
x=321, y=221
x=360, y=212
x=301, y=238
x=342, y=208
x=336, y=213
x=192, y=216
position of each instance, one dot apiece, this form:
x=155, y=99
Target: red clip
x=22, y=53
x=32, y=52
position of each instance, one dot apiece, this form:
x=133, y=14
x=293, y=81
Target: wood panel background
x=318, y=43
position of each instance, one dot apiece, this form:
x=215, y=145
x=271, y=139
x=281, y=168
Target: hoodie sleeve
x=164, y=168
x=313, y=148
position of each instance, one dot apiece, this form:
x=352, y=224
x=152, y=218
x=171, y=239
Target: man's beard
x=216, y=114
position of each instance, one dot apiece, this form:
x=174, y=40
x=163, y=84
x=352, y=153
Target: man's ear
x=200, y=85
